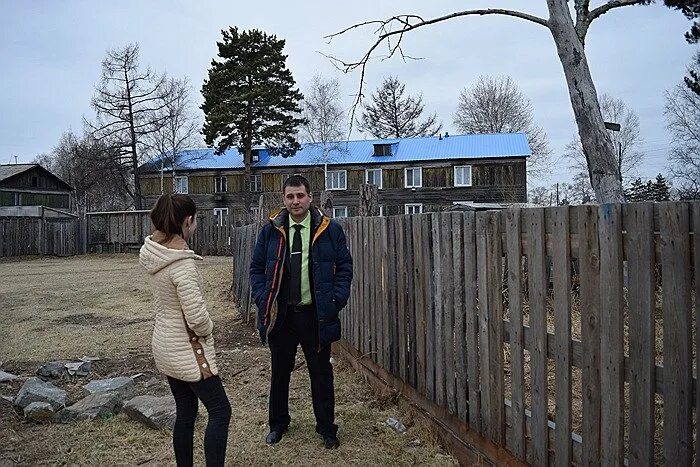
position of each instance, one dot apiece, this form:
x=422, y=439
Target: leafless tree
x=87, y=166
x=496, y=105
x=540, y=196
x=569, y=36
x=129, y=105
x=324, y=126
x=626, y=141
x=176, y=128
x=682, y=112
x=390, y=114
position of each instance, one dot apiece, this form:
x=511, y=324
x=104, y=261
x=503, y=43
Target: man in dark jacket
x=300, y=277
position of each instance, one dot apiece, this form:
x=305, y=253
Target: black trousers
x=211, y=392
x=301, y=327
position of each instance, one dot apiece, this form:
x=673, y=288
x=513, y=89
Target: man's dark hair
x=297, y=180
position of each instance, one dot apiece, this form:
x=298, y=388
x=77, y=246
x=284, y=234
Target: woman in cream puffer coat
x=179, y=305
x=183, y=346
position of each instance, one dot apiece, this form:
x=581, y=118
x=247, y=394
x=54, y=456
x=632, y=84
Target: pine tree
x=250, y=98
x=636, y=191
x=391, y=115
x=661, y=189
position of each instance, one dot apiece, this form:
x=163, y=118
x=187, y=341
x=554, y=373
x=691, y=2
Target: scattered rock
x=39, y=411
x=396, y=425
x=36, y=390
x=152, y=382
x=100, y=404
x=5, y=377
x=62, y=368
x=121, y=384
x=152, y=411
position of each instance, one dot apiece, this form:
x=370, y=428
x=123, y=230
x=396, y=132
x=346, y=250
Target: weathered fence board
x=561, y=273
x=431, y=305
x=675, y=264
x=639, y=223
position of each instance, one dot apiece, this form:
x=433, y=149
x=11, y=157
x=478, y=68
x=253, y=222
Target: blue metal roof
x=361, y=152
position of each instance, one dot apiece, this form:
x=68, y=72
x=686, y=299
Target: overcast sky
x=51, y=52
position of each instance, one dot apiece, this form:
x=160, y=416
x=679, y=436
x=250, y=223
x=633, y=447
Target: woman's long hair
x=170, y=213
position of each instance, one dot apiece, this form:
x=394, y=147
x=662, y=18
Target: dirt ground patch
x=100, y=306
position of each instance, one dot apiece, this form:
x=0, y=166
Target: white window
x=374, y=177
x=414, y=177
x=220, y=184
x=256, y=182
x=255, y=155
x=340, y=211
x=221, y=216
x=463, y=175
x=181, y=185
x=255, y=212
x=336, y=180
x=413, y=208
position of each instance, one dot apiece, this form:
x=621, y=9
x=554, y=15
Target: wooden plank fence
x=20, y=236
x=104, y=232
x=551, y=332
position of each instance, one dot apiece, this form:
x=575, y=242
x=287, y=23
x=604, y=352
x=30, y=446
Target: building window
x=414, y=177
x=340, y=211
x=336, y=180
x=181, y=185
x=284, y=179
x=221, y=215
x=35, y=181
x=255, y=155
x=374, y=177
x=382, y=149
x=463, y=175
x=255, y=213
x=414, y=208
x=256, y=182
x=221, y=184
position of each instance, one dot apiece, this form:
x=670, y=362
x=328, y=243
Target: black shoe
x=274, y=437
x=331, y=442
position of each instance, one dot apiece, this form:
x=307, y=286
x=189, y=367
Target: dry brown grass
x=100, y=306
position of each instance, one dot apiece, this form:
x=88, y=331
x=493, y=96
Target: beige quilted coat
x=183, y=346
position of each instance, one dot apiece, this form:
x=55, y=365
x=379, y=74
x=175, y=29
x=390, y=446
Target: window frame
x=223, y=185
x=330, y=173
x=219, y=218
x=405, y=177
x=254, y=183
x=339, y=207
x=381, y=176
x=178, y=178
x=454, y=174
x=412, y=205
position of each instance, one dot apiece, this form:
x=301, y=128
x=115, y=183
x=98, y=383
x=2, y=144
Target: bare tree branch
x=407, y=25
x=601, y=10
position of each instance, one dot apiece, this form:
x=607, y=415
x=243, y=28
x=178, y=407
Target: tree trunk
x=327, y=202
x=138, y=202
x=597, y=145
x=247, y=161
x=369, y=200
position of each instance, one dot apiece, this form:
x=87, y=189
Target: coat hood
x=154, y=256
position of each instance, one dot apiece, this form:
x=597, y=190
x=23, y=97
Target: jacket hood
x=154, y=256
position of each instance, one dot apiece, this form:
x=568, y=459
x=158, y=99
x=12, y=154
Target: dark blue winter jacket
x=331, y=274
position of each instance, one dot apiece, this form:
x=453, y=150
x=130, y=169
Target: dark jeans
x=211, y=392
x=301, y=328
